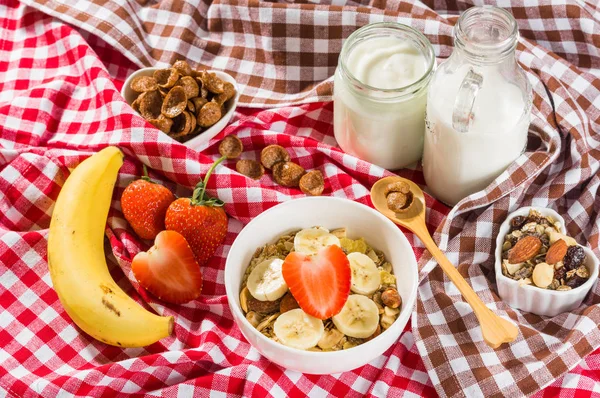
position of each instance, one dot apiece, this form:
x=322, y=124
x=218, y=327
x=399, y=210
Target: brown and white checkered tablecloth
x=283, y=54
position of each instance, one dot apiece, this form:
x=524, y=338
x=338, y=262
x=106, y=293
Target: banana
x=297, y=329
x=78, y=266
x=311, y=240
x=266, y=282
x=365, y=275
x=359, y=317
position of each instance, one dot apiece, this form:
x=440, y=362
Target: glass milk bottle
x=478, y=107
x=379, y=94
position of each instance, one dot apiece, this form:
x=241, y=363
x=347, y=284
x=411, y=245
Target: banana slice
x=297, y=329
x=311, y=240
x=365, y=275
x=266, y=282
x=359, y=317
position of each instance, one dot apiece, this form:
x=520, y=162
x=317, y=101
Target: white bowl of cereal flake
x=517, y=281
x=200, y=141
x=332, y=349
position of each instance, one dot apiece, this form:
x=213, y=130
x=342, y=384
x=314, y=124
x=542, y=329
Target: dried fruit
x=250, y=168
x=143, y=83
x=543, y=275
x=525, y=249
x=190, y=87
x=150, y=105
x=312, y=183
x=231, y=147
x=287, y=174
x=288, y=303
x=182, y=67
x=574, y=257
x=166, y=78
x=273, y=154
x=391, y=298
x=517, y=222
x=263, y=307
x=575, y=281
x=209, y=114
x=175, y=102
x=556, y=252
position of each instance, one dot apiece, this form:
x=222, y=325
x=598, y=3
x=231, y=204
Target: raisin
x=559, y=273
x=517, y=222
x=574, y=257
x=575, y=281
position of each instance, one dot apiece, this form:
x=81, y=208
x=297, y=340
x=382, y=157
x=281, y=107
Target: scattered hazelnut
x=231, y=147
x=391, y=298
x=263, y=307
x=273, y=154
x=312, y=183
x=288, y=303
x=250, y=168
x=287, y=174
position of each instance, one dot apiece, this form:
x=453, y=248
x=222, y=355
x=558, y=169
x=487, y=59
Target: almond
x=525, y=249
x=556, y=252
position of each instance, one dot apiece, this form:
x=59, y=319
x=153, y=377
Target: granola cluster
x=536, y=253
x=263, y=314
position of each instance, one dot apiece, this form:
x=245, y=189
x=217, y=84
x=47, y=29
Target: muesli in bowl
x=536, y=253
x=319, y=291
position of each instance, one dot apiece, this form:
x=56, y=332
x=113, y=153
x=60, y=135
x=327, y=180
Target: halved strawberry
x=168, y=269
x=320, y=283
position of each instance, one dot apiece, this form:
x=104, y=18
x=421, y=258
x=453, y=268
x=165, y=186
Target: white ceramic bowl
x=331, y=213
x=199, y=141
x=533, y=299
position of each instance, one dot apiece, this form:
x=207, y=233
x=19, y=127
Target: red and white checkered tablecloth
x=60, y=102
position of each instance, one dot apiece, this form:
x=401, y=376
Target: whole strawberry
x=200, y=219
x=144, y=205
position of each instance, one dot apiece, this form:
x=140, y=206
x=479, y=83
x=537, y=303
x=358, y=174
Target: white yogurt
x=380, y=94
x=456, y=164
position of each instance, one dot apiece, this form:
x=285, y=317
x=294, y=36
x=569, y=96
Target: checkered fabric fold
x=59, y=102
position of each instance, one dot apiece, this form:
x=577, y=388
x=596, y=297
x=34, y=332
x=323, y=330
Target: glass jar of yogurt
x=479, y=107
x=380, y=93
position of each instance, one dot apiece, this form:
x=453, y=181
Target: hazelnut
x=287, y=174
x=391, y=298
x=312, y=183
x=250, y=168
x=288, y=303
x=231, y=147
x=263, y=307
x=273, y=154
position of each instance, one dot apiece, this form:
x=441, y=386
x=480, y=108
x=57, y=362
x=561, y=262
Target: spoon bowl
x=494, y=329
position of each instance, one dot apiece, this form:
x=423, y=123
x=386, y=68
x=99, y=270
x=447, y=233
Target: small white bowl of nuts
x=539, y=269
x=191, y=106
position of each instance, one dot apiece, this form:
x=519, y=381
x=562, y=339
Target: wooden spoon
x=495, y=330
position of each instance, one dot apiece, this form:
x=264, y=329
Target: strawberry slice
x=319, y=283
x=168, y=269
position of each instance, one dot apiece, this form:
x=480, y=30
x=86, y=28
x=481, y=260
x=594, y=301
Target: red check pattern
x=60, y=102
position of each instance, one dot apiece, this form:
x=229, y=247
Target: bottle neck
x=486, y=35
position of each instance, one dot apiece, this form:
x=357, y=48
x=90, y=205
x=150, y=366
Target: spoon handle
x=495, y=330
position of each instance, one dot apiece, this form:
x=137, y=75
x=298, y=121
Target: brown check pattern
x=282, y=53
